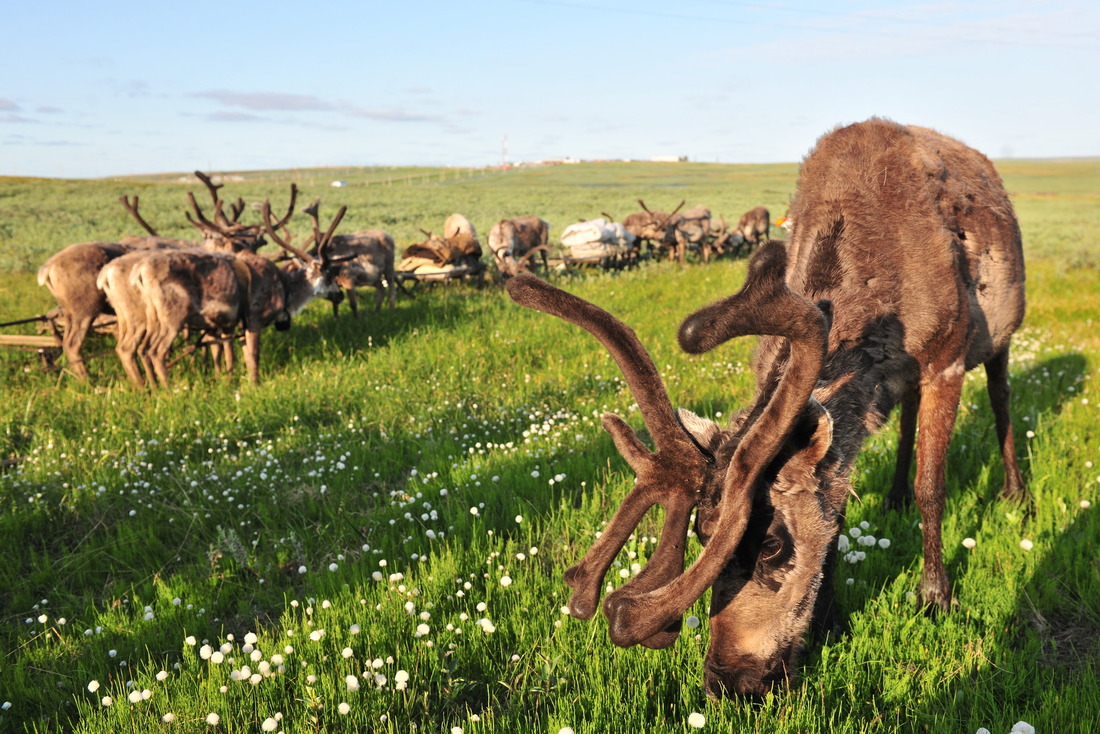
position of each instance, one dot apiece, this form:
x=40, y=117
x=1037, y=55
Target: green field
x=394, y=472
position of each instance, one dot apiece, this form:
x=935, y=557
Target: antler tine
x=203, y=223
x=290, y=209
x=644, y=207
x=668, y=477
x=237, y=208
x=764, y=305
x=219, y=215
x=133, y=209
x=266, y=214
x=672, y=213
x=323, y=243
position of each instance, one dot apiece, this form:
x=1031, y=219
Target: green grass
x=373, y=441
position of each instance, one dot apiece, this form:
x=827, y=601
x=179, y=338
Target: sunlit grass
x=414, y=484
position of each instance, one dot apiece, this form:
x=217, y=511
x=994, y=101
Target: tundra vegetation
x=385, y=521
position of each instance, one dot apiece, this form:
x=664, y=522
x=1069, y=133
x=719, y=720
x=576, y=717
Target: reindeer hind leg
x=996, y=370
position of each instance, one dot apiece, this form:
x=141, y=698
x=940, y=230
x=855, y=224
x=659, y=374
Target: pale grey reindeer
x=904, y=269
x=754, y=227
x=514, y=242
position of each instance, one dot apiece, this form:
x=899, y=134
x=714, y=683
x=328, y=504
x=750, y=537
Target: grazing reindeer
x=690, y=228
x=905, y=270
x=514, y=242
x=754, y=227
x=159, y=293
x=365, y=258
x=649, y=225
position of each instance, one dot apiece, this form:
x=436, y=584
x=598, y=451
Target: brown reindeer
x=359, y=259
x=158, y=294
x=649, y=225
x=691, y=228
x=754, y=227
x=71, y=274
x=905, y=270
x=514, y=242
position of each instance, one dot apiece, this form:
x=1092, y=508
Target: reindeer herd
x=159, y=287
x=903, y=269
x=216, y=287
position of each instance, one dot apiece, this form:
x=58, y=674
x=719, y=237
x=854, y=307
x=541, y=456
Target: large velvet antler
x=671, y=476
x=764, y=306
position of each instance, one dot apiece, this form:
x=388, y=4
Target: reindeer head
x=308, y=276
x=754, y=486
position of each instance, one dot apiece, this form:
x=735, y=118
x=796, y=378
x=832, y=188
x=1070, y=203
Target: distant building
x=669, y=159
x=339, y=184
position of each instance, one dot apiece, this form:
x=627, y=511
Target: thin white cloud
x=267, y=101
x=283, y=102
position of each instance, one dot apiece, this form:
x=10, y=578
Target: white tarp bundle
x=596, y=238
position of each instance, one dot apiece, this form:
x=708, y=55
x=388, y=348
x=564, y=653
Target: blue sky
x=94, y=89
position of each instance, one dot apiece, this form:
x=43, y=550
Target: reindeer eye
x=770, y=548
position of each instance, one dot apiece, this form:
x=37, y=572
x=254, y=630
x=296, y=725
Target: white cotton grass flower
x=969, y=543
x=1026, y=544
x=270, y=724
x=213, y=719
x=565, y=730
x=696, y=719
x=93, y=686
x=692, y=622
x=505, y=581
x=1022, y=727
x=352, y=682
x=344, y=708
x=168, y=718
x=107, y=701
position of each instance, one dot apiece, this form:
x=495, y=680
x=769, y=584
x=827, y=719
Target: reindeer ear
x=702, y=429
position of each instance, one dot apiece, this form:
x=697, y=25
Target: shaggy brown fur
x=905, y=270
